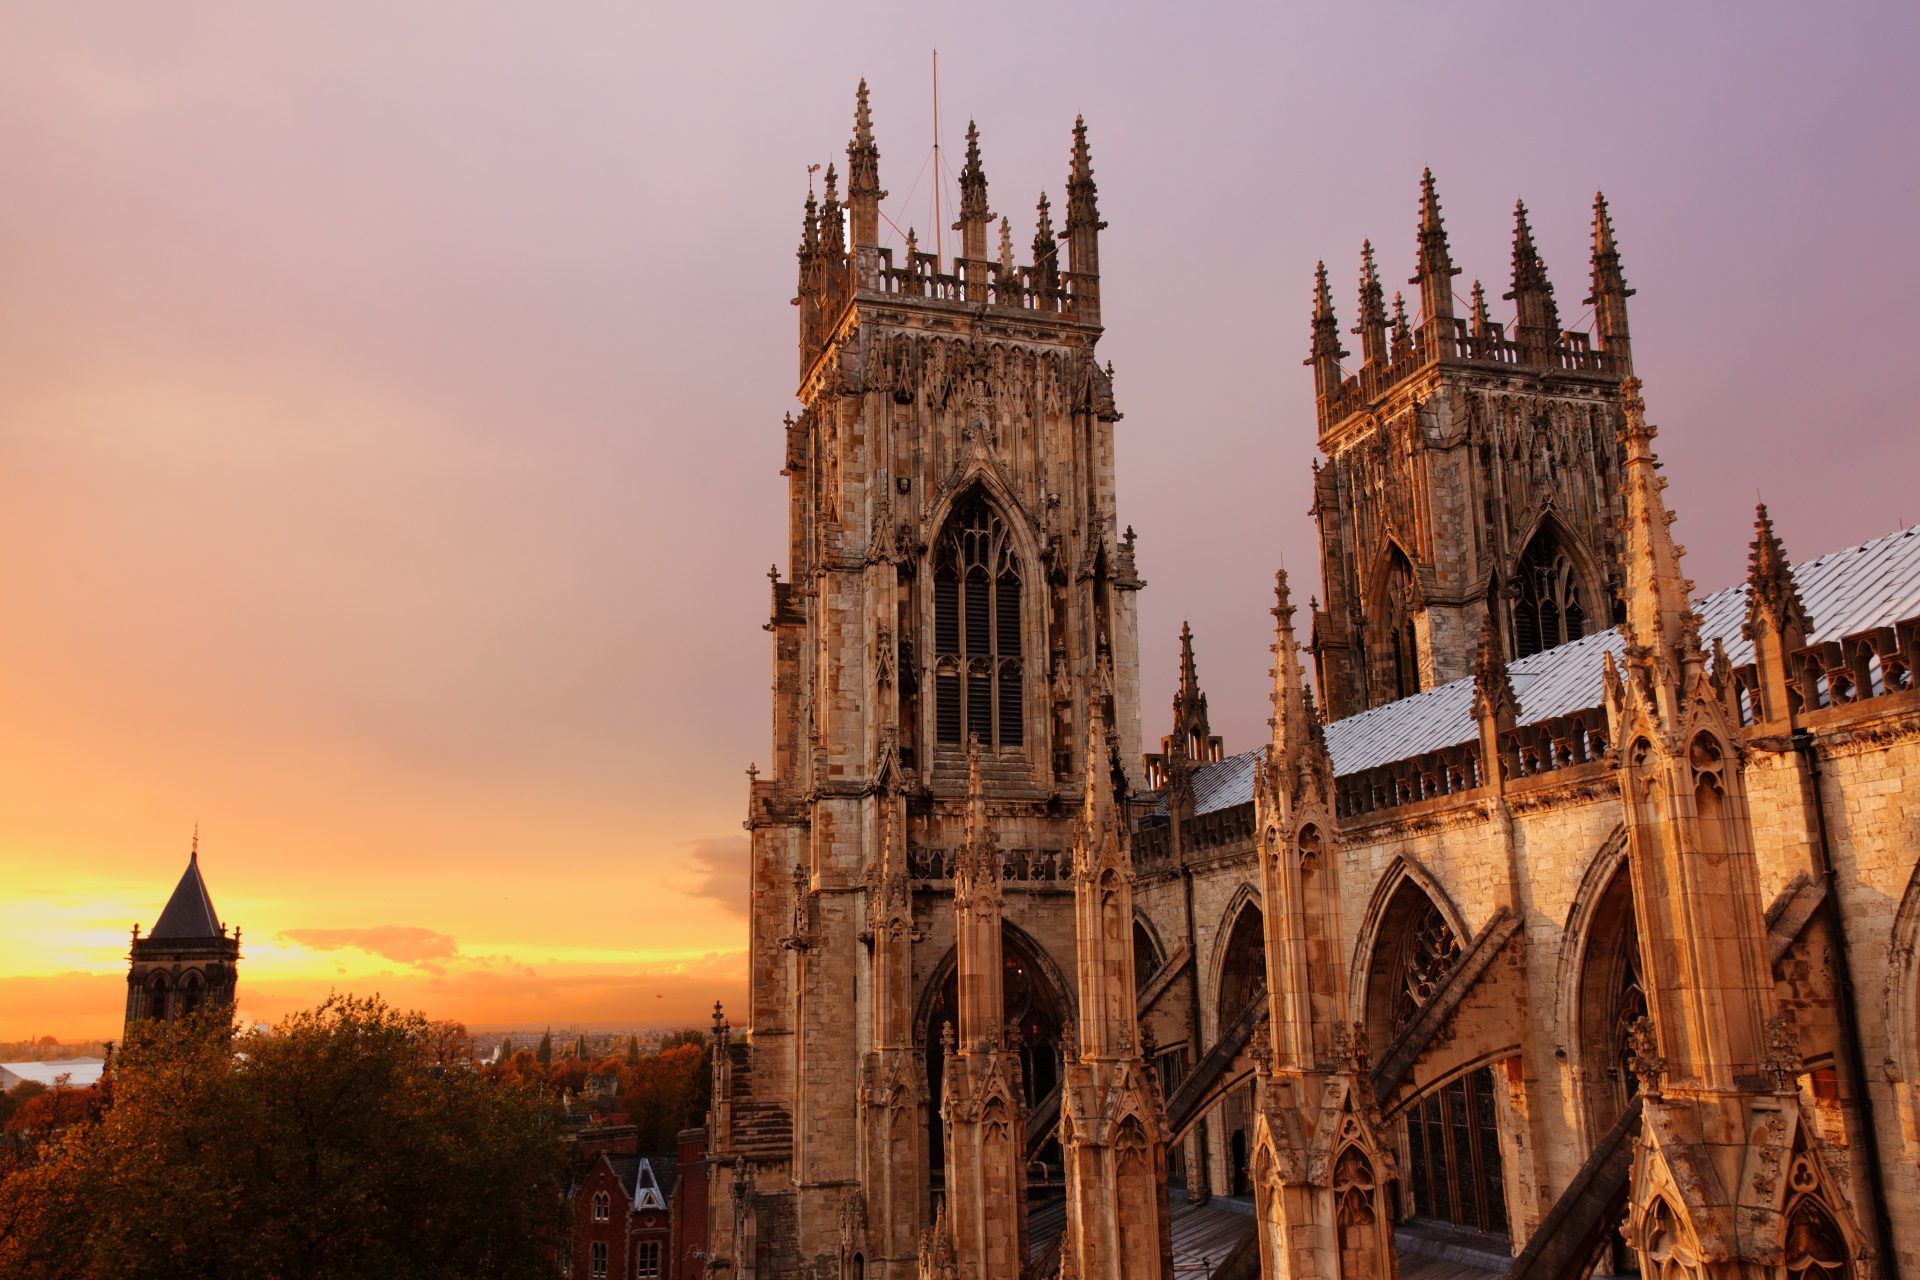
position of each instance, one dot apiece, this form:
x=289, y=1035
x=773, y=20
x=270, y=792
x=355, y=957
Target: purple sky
x=390, y=399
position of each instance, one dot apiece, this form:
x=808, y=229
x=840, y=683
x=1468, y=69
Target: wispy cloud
x=719, y=865
x=403, y=944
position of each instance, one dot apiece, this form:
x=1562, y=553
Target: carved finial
x=1373, y=309
x=193, y=855
x=1493, y=696
x=1643, y=1056
x=1782, y=1058
x=1402, y=331
x=1046, y=248
x=863, y=173
x=1006, y=247
x=973, y=188
x=1482, y=321
x=1773, y=598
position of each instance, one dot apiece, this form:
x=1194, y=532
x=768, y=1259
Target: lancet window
x=1453, y=1144
x=1398, y=601
x=977, y=637
x=1548, y=608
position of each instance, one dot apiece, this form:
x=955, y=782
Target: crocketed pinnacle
x=973, y=184
x=1772, y=595
x=1660, y=615
x=1434, y=270
x=1373, y=308
x=1532, y=291
x=1493, y=696
x=1083, y=212
x=1293, y=725
x=1608, y=277
x=1482, y=321
x=1323, y=326
x=863, y=155
x=1046, y=249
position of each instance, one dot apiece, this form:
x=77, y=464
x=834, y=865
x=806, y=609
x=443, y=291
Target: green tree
x=333, y=1146
x=666, y=1092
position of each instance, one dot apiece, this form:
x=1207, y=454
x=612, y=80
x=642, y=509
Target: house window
x=978, y=685
x=598, y=1256
x=646, y=1260
x=599, y=1206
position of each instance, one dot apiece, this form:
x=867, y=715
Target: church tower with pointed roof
x=189, y=960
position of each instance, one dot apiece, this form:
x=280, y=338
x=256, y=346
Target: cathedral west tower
x=1469, y=467
x=958, y=592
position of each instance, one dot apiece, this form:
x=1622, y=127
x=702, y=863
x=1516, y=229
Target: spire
x=974, y=214
x=1192, y=741
x=1773, y=598
x=863, y=174
x=1006, y=247
x=189, y=912
x=809, y=234
x=1189, y=676
x=1325, y=353
x=1373, y=310
x=1435, y=271
x=1610, y=292
x=1537, y=325
x=832, y=237
x=1402, y=334
x=1660, y=614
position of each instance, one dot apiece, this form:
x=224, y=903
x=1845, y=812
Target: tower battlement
x=841, y=257
x=1396, y=351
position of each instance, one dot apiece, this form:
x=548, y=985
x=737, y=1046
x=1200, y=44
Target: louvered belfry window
x=976, y=630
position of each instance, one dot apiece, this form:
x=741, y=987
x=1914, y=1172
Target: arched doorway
x=1036, y=1006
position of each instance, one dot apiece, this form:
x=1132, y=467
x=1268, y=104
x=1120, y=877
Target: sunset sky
x=390, y=400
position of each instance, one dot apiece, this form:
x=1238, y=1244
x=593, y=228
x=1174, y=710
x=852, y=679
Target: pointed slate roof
x=189, y=912
x=1874, y=584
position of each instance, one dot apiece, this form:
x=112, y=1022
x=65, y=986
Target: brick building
x=1582, y=929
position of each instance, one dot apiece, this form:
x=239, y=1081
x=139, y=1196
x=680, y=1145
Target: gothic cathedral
x=1566, y=923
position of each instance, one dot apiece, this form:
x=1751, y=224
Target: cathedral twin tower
x=947, y=968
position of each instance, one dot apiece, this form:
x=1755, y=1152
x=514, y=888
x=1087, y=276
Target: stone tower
x=1469, y=468
x=958, y=594
x=187, y=961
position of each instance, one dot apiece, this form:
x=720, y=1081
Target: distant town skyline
x=389, y=426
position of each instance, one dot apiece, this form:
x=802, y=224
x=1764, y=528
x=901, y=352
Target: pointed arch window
x=1548, y=608
x=1403, y=656
x=978, y=681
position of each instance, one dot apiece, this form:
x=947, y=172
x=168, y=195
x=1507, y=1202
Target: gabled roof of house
x=1874, y=584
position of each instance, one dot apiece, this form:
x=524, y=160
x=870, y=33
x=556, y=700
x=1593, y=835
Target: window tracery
x=978, y=684
x=1548, y=606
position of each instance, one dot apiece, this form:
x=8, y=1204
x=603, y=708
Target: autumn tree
x=333, y=1146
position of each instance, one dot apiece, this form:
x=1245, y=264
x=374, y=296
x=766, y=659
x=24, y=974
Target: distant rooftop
x=79, y=1072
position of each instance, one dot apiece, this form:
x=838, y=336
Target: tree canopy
x=336, y=1145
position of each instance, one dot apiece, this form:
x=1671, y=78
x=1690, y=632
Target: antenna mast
x=937, y=224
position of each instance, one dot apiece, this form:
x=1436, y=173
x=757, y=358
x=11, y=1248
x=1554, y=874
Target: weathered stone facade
x=1601, y=949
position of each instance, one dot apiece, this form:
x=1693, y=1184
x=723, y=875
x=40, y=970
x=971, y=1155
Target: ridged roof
x=189, y=912
x=1872, y=585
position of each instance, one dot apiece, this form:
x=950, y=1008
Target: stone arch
x=1239, y=957
x=1037, y=995
x=1600, y=989
x=1149, y=953
x=159, y=995
x=1400, y=873
x=981, y=625
x=1393, y=597
x=1901, y=1000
